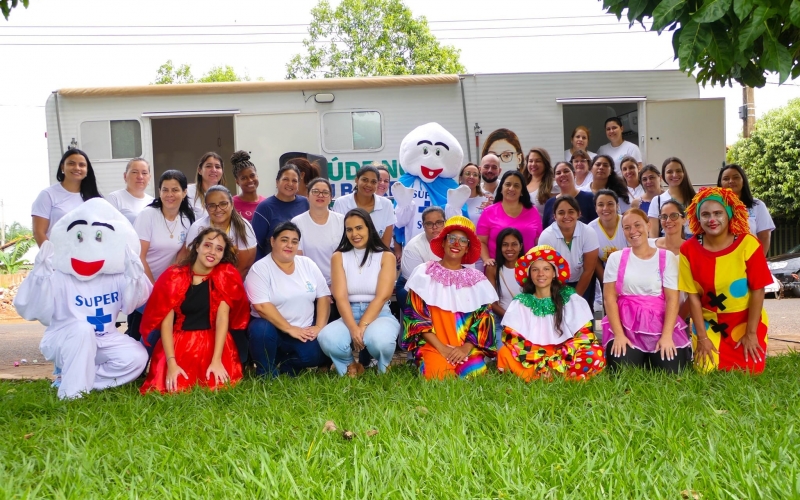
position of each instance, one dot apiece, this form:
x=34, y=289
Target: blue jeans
x=276, y=352
x=380, y=338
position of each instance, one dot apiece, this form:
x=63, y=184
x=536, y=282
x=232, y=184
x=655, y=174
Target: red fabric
x=170, y=291
x=194, y=349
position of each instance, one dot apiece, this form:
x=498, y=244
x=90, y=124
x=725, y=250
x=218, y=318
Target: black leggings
x=635, y=357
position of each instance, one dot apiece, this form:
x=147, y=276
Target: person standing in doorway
x=617, y=147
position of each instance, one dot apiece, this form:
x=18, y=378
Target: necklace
x=358, y=258
x=174, y=225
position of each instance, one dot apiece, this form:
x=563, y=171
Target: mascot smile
x=84, y=276
x=431, y=158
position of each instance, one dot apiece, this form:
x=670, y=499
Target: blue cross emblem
x=424, y=206
x=99, y=319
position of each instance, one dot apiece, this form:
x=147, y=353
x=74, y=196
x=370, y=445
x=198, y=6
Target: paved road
x=20, y=339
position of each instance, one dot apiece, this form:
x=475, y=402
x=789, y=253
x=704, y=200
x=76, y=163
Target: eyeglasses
x=431, y=225
x=505, y=156
x=471, y=174
x=673, y=216
x=461, y=240
x=212, y=207
x=317, y=192
x=579, y=160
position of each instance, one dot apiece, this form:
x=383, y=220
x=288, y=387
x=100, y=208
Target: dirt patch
x=30, y=371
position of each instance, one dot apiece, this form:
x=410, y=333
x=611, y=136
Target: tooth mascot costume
x=84, y=276
x=432, y=159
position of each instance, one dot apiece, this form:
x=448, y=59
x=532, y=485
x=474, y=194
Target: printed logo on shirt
x=97, y=316
x=183, y=237
x=309, y=287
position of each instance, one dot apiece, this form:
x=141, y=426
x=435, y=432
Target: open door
x=268, y=136
x=691, y=129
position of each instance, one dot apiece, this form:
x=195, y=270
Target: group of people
x=298, y=280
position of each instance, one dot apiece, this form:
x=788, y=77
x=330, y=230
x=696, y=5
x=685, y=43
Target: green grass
x=633, y=435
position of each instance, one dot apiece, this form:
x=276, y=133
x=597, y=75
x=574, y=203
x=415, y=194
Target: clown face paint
x=91, y=240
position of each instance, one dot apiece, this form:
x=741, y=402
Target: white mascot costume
x=84, y=276
x=432, y=159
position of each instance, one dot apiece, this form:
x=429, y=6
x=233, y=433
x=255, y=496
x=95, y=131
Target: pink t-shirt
x=246, y=208
x=494, y=219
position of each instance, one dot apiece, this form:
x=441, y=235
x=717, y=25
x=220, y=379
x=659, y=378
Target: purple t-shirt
x=494, y=219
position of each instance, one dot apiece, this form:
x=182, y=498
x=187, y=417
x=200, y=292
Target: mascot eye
x=425, y=150
x=80, y=236
x=438, y=152
x=98, y=236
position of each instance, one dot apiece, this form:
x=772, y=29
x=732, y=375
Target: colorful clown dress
x=724, y=281
x=456, y=307
x=533, y=348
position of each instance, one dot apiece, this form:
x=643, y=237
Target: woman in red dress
x=196, y=304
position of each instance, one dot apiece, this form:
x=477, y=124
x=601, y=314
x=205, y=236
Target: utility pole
x=748, y=111
x=2, y=223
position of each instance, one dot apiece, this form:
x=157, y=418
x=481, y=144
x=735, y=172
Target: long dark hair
x=200, y=194
x=229, y=255
x=239, y=225
x=184, y=210
x=747, y=196
x=374, y=241
x=686, y=189
x=500, y=259
x=524, y=196
x=555, y=295
x=546, y=185
x=88, y=187
x=614, y=181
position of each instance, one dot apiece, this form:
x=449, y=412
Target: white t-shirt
x=198, y=209
x=416, y=252
x=382, y=214
x=293, y=295
x=584, y=240
x=127, y=204
x=759, y=217
x=642, y=277
x=617, y=153
x=151, y=226
x=248, y=243
x=53, y=203
x=318, y=242
x=636, y=192
x=474, y=209
x=655, y=209
x=586, y=185
x=568, y=155
x=509, y=287
x=97, y=301
x=609, y=243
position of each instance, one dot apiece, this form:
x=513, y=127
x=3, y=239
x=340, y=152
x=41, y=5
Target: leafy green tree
x=7, y=5
x=724, y=40
x=370, y=38
x=168, y=74
x=17, y=230
x=771, y=156
x=12, y=259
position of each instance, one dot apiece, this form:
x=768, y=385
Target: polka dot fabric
x=545, y=253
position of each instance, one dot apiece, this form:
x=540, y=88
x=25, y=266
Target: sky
x=55, y=44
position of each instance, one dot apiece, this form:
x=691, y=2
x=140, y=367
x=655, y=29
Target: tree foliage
x=7, y=5
x=168, y=74
x=371, y=38
x=12, y=259
x=725, y=40
x=771, y=156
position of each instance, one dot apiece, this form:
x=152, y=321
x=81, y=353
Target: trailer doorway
x=180, y=141
x=593, y=117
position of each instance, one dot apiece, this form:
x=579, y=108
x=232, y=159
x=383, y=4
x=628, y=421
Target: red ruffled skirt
x=193, y=353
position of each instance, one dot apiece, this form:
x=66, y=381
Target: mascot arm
x=137, y=287
x=35, y=300
x=405, y=209
x=456, y=198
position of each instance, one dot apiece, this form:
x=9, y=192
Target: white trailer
x=355, y=121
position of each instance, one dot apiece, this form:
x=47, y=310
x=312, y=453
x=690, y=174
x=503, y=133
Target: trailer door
x=268, y=136
x=691, y=129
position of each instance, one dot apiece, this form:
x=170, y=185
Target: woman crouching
x=196, y=304
x=547, y=329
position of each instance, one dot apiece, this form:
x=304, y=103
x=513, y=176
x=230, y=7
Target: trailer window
x=111, y=139
x=352, y=131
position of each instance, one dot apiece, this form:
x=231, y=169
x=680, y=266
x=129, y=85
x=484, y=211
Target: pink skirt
x=642, y=319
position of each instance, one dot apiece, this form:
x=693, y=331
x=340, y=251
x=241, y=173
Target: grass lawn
x=634, y=435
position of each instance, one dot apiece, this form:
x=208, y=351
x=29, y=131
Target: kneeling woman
x=363, y=271
x=448, y=323
x=640, y=291
x=196, y=304
x=547, y=329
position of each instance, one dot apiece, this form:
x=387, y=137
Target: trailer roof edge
x=321, y=84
